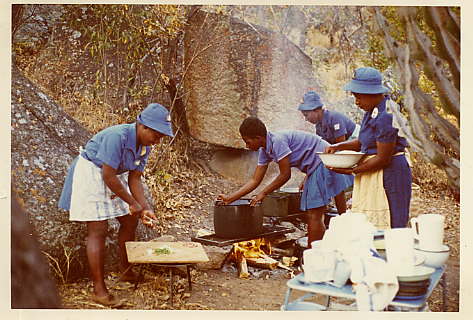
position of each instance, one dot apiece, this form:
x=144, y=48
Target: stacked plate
x=414, y=285
x=412, y=290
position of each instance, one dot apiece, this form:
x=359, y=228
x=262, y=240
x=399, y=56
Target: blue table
x=347, y=292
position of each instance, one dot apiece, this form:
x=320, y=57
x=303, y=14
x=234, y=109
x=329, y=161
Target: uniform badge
x=336, y=126
x=374, y=113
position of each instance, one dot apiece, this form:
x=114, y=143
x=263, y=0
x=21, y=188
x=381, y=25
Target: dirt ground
x=265, y=289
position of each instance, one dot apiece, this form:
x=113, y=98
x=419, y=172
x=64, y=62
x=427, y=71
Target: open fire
x=254, y=253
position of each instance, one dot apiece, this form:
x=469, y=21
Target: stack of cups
x=400, y=250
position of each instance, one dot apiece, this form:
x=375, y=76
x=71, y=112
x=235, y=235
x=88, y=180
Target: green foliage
x=374, y=54
x=126, y=40
x=397, y=27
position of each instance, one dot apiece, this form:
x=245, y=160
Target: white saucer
x=443, y=248
x=417, y=274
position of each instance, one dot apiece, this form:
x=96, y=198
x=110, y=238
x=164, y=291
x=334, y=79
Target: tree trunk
x=425, y=122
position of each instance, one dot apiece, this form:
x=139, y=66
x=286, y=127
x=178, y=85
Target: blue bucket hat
x=366, y=80
x=311, y=101
x=156, y=117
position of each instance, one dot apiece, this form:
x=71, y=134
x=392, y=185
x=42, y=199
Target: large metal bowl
x=342, y=159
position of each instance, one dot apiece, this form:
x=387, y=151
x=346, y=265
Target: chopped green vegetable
x=162, y=251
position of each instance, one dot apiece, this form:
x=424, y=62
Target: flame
x=253, y=248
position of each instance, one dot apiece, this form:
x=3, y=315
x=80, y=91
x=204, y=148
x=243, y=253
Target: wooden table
x=181, y=254
x=347, y=292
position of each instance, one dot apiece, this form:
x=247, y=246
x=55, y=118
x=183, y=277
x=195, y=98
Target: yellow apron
x=369, y=197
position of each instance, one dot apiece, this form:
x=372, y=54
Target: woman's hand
x=148, y=218
x=331, y=149
x=223, y=199
x=257, y=199
x=135, y=208
x=341, y=170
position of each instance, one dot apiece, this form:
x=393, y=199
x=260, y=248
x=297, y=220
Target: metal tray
x=268, y=231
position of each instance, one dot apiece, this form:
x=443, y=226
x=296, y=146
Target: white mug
x=428, y=229
x=400, y=249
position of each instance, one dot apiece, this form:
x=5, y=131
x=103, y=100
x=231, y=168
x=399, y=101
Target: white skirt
x=91, y=199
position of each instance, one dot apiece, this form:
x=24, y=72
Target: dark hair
x=253, y=127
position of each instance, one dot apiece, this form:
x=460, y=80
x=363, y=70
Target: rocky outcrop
x=44, y=141
x=236, y=70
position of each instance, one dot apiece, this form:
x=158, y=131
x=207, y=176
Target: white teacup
x=428, y=229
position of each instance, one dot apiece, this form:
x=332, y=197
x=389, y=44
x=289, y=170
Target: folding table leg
x=189, y=277
x=286, y=298
x=327, y=303
x=140, y=273
x=443, y=283
x=171, y=284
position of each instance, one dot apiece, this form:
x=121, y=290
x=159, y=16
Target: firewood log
x=263, y=261
x=241, y=265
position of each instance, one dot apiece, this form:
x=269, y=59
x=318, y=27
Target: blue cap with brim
x=311, y=101
x=156, y=117
x=366, y=80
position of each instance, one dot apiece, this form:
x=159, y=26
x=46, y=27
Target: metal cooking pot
x=294, y=194
x=237, y=219
x=276, y=204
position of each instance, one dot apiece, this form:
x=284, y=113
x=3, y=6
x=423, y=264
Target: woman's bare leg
x=340, y=202
x=315, y=224
x=126, y=233
x=96, y=233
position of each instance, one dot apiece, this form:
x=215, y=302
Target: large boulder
x=235, y=70
x=44, y=141
x=239, y=165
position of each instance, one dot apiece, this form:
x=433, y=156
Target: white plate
x=418, y=273
x=379, y=244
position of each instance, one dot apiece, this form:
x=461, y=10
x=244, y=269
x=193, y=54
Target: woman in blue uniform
x=332, y=126
x=383, y=180
x=104, y=182
x=291, y=148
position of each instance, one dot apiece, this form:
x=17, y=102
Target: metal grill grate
x=269, y=231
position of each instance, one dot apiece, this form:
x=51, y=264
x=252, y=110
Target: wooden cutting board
x=180, y=252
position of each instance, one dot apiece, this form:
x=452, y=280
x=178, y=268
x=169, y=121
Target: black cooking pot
x=237, y=219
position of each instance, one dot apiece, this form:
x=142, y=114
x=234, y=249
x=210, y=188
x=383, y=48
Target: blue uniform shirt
x=377, y=126
x=334, y=125
x=114, y=146
x=300, y=146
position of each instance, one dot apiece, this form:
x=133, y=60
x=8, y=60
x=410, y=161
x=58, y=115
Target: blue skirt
x=321, y=186
x=397, y=181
